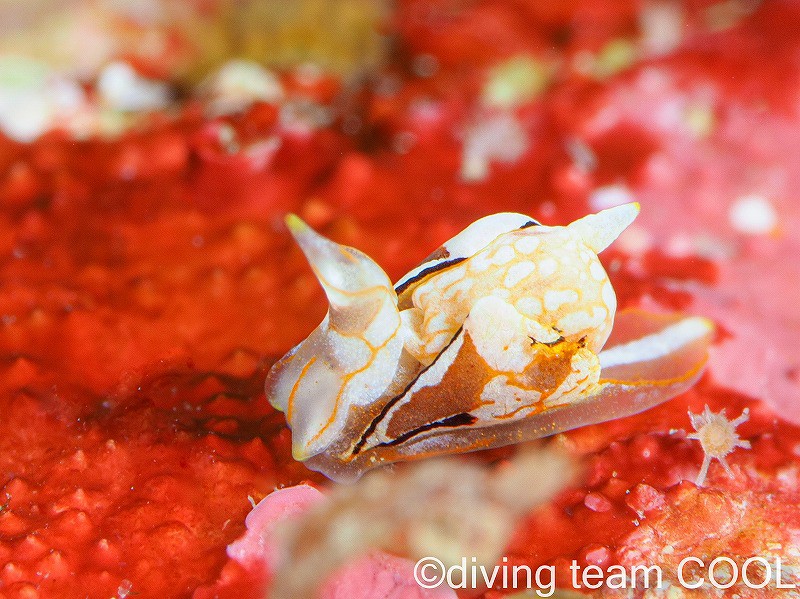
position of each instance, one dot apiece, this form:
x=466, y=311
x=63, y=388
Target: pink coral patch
x=376, y=575
x=257, y=544
x=380, y=576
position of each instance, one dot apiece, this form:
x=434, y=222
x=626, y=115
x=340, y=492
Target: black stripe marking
x=462, y=419
x=389, y=404
x=425, y=272
x=442, y=265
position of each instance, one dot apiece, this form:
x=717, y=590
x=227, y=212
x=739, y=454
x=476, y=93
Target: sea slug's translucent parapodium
x=504, y=334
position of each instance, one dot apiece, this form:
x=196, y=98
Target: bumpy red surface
x=148, y=283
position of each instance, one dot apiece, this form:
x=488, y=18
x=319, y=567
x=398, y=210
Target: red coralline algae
x=147, y=286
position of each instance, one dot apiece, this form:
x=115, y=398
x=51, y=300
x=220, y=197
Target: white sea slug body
x=505, y=333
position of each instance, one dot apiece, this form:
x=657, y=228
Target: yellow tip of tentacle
x=300, y=452
x=354, y=283
x=295, y=224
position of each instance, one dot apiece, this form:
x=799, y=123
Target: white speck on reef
x=495, y=138
x=753, y=215
x=718, y=438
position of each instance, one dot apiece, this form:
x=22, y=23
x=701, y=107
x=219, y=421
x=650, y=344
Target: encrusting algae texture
x=148, y=284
